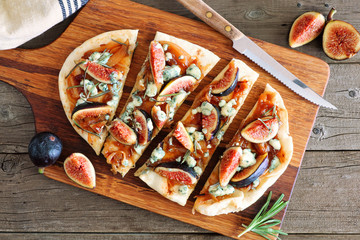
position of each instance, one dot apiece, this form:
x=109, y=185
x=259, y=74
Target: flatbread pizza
x=171, y=71
x=254, y=160
x=177, y=163
x=91, y=81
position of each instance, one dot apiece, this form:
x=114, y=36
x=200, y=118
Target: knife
x=247, y=47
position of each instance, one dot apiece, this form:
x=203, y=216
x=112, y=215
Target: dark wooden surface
x=325, y=200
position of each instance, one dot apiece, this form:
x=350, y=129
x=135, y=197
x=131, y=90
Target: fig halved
x=174, y=86
x=99, y=72
x=178, y=172
x=157, y=61
x=261, y=130
x=91, y=116
x=182, y=135
x=122, y=133
x=145, y=129
x=306, y=28
x=248, y=175
x=210, y=123
x=228, y=164
x=227, y=84
x=79, y=169
x=340, y=39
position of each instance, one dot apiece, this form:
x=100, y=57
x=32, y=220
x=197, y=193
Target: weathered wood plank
x=271, y=20
x=325, y=200
x=101, y=236
x=16, y=120
x=339, y=129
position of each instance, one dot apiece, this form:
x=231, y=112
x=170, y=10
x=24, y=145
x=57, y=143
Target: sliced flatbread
x=171, y=71
x=216, y=199
x=179, y=160
x=95, y=72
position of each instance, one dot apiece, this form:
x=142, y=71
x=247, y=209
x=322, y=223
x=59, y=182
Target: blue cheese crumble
x=216, y=190
x=247, y=158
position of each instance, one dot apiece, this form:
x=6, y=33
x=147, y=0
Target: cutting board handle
x=212, y=18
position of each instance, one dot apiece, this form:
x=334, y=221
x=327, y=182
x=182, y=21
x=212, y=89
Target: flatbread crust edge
x=76, y=54
x=206, y=58
x=241, y=200
x=160, y=183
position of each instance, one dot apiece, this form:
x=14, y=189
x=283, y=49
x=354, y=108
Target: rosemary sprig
x=98, y=135
x=76, y=86
x=187, y=154
x=92, y=89
x=84, y=78
x=262, y=223
x=154, y=100
x=171, y=94
x=76, y=65
x=264, y=124
x=99, y=95
x=118, y=42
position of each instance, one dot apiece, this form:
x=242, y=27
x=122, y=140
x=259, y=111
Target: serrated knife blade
x=250, y=49
x=247, y=47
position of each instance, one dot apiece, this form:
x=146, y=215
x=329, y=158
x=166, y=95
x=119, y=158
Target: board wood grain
x=34, y=73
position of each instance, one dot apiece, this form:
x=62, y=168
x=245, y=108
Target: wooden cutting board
x=34, y=73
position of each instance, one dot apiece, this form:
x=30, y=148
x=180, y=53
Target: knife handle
x=212, y=18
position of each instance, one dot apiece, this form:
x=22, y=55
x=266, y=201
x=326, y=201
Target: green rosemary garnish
x=262, y=223
x=99, y=95
x=264, y=124
x=85, y=79
x=187, y=154
x=171, y=94
x=154, y=100
x=92, y=89
x=98, y=135
x=76, y=86
x=118, y=42
x=76, y=65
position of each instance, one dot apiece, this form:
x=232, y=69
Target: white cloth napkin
x=22, y=20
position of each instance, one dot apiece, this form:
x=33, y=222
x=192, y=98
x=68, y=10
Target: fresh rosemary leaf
x=118, y=42
x=76, y=65
x=262, y=223
x=92, y=89
x=98, y=135
x=171, y=94
x=99, y=95
x=264, y=124
x=76, y=86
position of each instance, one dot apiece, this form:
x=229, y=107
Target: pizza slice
x=91, y=81
x=179, y=160
x=171, y=71
x=255, y=158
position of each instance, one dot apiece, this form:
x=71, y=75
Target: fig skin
x=306, y=28
x=340, y=39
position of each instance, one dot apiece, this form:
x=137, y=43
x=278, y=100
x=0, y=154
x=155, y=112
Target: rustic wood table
x=325, y=202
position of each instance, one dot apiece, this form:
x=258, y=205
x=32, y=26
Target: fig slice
x=91, y=116
x=248, y=175
x=122, y=132
x=340, y=39
x=227, y=84
x=182, y=135
x=158, y=116
x=79, y=169
x=157, y=61
x=178, y=172
x=99, y=72
x=228, y=164
x=210, y=120
x=261, y=130
x=174, y=86
x=143, y=126
x=306, y=28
